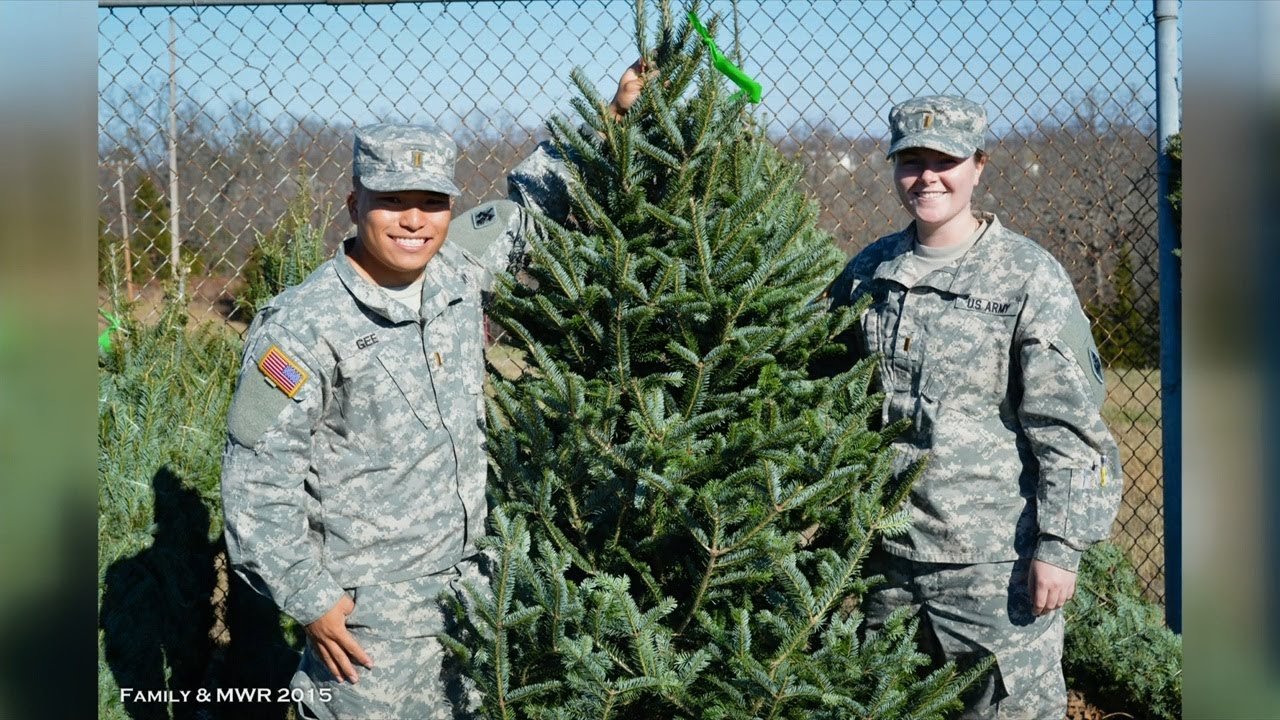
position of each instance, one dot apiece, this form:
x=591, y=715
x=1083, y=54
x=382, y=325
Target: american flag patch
x=282, y=372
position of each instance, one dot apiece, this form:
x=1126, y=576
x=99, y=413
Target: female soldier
x=985, y=348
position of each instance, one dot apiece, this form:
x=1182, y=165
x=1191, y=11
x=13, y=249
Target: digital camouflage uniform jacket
x=993, y=362
x=355, y=438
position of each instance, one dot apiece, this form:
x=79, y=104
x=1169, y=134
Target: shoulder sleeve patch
x=273, y=383
x=1076, y=339
x=493, y=236
x=285, y=374
x=479, y=229
x=482, y=216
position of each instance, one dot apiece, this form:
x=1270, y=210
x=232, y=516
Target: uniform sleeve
x=541, y=182
x=1060, y=411
x=495, y=236
x=267, y=459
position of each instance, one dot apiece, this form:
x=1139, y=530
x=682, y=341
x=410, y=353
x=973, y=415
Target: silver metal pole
x=124, y=236
x=1168, y=123
x=175, y=234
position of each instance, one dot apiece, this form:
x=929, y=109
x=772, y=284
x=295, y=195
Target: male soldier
x=354, y=473
x=985, y=349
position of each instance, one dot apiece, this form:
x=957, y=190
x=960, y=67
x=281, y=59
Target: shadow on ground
x=171, y=621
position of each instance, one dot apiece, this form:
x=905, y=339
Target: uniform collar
x=899, y=254
x=957, y=279
x=975, y=266
x=441, y=286
x=445, y=283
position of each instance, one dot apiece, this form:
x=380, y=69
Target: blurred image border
x=47, y=362
x=1231, y=123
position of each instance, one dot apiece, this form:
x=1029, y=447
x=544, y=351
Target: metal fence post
x=1168, y=122
x=175, y=203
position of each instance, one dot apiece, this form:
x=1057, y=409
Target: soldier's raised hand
x=629, y=86
x=335, y=645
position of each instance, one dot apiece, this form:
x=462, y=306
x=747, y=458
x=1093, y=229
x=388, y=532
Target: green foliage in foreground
x=683, y=501
x=163, y=392
x=1118, y=648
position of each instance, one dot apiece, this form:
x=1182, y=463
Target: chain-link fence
x=213, y=119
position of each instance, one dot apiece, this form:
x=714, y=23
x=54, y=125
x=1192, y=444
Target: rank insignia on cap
x=282, y=372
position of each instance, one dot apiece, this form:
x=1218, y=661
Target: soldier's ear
x=980, y=160
x=351, y=206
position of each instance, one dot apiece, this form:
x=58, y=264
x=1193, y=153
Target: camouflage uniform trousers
x=413, y=676
x=969, y=612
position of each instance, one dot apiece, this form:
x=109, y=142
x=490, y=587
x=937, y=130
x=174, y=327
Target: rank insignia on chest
x=284, y=373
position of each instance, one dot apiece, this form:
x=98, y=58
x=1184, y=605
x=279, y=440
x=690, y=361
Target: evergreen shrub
x=1118, y=647
x=682, y=501
x=285, y=255
x=163, y=392
x=1175, y=181
x=1128, y=333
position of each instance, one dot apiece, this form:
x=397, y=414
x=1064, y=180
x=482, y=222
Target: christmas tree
x=682, y=498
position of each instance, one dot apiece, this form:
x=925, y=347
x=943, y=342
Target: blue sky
x=458, y=64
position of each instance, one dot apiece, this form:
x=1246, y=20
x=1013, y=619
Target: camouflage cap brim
x=418, y=180
x=942, y=142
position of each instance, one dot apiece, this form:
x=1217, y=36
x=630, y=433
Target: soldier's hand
x=629, y=87
x=1051, y=586
x=335, y=645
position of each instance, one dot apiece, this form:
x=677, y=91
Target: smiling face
x=397, y=233
x=937, y=189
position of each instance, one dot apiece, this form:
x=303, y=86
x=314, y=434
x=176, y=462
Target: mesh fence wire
x=265, y=98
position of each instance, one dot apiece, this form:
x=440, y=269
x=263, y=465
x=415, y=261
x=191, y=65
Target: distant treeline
x=1084, y=189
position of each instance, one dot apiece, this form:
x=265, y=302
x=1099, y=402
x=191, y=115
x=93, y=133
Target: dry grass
x=1132, y=411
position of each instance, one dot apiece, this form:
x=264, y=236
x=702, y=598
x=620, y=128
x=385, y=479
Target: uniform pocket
x=380, y=389
x=928, y=408
x=974, y=466
x=412, y=382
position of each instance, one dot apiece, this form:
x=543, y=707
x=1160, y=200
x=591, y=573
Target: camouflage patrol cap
x=404, y=157
x=946, y=123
